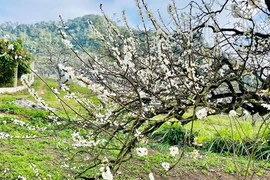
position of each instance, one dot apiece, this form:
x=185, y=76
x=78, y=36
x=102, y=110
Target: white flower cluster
x=67, y=43
x=6, y=170
x=32, y=92
x=267, y=106
x=34, y=168
x=11, y=47
x=129, y=49
x=21, y=177
x=195, y=154
x=69, y=71
x=245, y=9
x=101, y=93
x=142, y=151
x=96, y=32
x=53, y=117
x=201, y=113
x=105, y=170
x=28, y=126
x=18, y=122
x=232, y=113
x=80, y=142
x=4, y=135
x=140, y=137
x=16, y=57
x=165, y=166
x=174, y=151
x=151, y=176
x=106, y=173
x=64, y=165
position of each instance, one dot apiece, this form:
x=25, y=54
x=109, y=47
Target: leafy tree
x=14, y=61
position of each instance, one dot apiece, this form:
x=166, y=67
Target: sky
x=32, y=11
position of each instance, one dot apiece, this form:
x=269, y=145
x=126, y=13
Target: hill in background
x=35, y=35
x=44, y=41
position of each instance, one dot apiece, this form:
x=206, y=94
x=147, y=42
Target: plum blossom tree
x=148, y=76
x=55, y=57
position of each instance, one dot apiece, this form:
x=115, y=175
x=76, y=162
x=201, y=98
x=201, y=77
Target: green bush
x=173, y=134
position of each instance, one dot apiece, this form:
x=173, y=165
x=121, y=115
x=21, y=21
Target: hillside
x=44, y=42
x=35, y=35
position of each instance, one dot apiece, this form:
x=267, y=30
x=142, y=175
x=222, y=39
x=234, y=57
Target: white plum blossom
x=35, y=169
x=64, y=165
x=141, y=151
x=18, y=122
x=11, y=47
x=140, y=137
x=166, y=166
x=267, y=106
x=6, y=170
x=138, y=133
x=4, y=135
x=201, y=113
x=21, y=177
x=151, y=176
x=67, y=43
x=195, y=154
x=70, y=74
x=106, y=173
x=232, y=113
x=32, y=92
x=80, y=142
x=55, y=90
x=61, y=66
x=174, y=150
x=85, y=143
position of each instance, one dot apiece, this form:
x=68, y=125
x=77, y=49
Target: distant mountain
x=34, y=36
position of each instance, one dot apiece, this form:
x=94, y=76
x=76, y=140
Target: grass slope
x=40, y=148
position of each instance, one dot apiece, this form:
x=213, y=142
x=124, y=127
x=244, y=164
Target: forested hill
x=34, y=36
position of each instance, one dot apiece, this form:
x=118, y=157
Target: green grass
x=48, y=147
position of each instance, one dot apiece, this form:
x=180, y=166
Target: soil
x=213, y=175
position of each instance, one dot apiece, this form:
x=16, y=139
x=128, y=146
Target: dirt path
x=5, y=114
x=41, y=89
x=213, y=175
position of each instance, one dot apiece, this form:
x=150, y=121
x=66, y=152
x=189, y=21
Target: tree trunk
x=16, y=76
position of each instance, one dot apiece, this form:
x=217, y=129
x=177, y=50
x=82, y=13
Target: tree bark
x=16, y=75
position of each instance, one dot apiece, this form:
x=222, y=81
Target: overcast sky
x=32, y=11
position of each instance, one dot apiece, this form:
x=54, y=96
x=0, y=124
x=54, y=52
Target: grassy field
x=35, y=147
